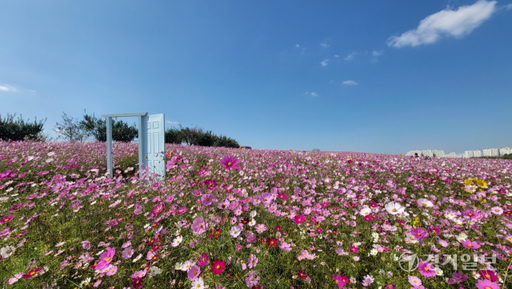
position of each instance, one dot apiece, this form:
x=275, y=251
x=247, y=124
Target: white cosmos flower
x=461, y=237
x=7, y=251
x=177, y=241
x=425, y=203
x=154, y=271
x=252, y=223
x=235, y=231
x=198, y=283
x=394, y=208
x=178, y=266
x=86, y=282
x=137, y=258
x=253, y=214
x=365, y=212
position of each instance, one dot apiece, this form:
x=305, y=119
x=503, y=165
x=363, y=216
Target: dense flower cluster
x=251, y=219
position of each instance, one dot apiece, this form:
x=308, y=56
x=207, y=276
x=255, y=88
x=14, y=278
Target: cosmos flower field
x=234, y=218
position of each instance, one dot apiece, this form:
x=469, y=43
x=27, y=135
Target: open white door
x=155, y=146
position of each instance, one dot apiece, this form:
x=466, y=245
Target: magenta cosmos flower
x=106, y=258
x=203, y=260
x=6, y=219
x=230, y=162
x=426, y=269
x=217, y=267
x=299, y=219
x=158, y=209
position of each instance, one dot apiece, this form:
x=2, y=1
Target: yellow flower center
x=229, y=164
x=108, y=259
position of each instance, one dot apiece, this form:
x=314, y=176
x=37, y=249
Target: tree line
x=90, y=126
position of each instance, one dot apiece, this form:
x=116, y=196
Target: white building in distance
x=494, y=152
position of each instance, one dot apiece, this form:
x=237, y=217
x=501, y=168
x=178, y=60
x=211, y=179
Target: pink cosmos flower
x=353, y=249
x=419, y=233
x=127, y=253
x=486, y=284
x=426, y=269
x=206, y=199
x=111, y=270
x=470, y=245
x=182, y=210
x=199, y=226
x=150, y=255
x=285, y=246
x=443, y=243
x=193, y=272
x=140, y=274
x=86, y=245
x=414, y=281
x=230, y=162
x=459, y=276
x=106, y=258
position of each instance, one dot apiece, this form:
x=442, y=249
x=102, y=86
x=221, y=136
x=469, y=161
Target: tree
x=70, y=129
x=97, y=128
x=224, y=141
x=173, y=135
x=206, y=139
x=20, y=130
x=191, y=136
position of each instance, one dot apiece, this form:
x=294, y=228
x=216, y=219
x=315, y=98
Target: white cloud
x=336, y=56
x=324, y=63
x=6, y=87
x=314, y=94
x=297, y=45
x=376, y=53
x=350, y=56
x=171, y=122
x=448, y=22
x=350, y=82
x=326, y=43
x=508, y=7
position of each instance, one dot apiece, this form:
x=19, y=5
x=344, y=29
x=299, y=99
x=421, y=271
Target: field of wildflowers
x=233, y=218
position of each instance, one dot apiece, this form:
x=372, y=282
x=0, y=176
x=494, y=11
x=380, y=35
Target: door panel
x=155, y=144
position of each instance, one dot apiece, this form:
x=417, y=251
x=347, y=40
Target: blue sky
x=367, y=76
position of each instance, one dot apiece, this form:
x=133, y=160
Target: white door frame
x=141, y=122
